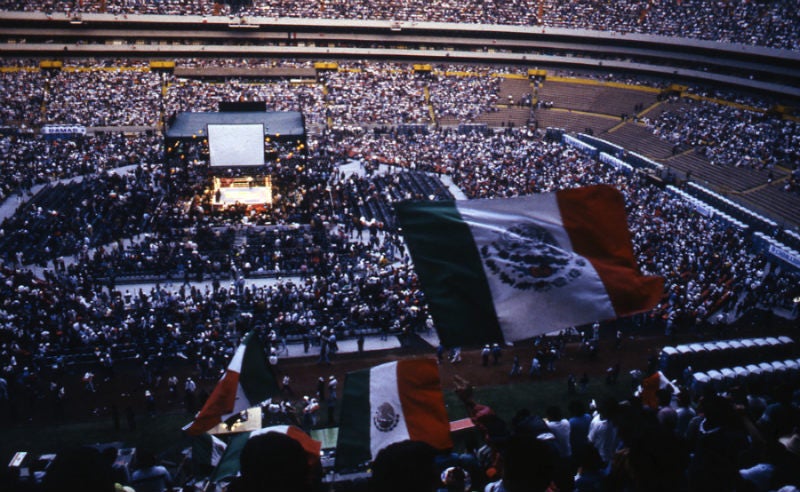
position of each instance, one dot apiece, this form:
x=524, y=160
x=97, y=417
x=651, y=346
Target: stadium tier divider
x=755, y=220
x=619, y=164
x=579, y=144
x=778, y=250
x=640, y=161
x=601, y=145
x=706, y=209
x=791, y=238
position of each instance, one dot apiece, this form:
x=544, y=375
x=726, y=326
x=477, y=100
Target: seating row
x=709, y=355
x=727, y=377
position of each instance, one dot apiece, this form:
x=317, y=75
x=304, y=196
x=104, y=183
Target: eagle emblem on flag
x=527, y=257
x=385, y=418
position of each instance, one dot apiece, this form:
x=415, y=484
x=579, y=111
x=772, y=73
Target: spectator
x=274, y=461
x=602, y=432
x=590, y=476
x=719, y=449
x=528, y=466
x=560, y=428
x=685, y=413
x=149, y=476
x=404, y=466
x=81, y=468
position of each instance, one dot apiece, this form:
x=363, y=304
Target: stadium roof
x=283, y=124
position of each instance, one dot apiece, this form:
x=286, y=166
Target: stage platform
x=245, y=190
x=283, y=125
x=256, y=195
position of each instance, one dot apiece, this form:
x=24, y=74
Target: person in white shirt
x=559, y=426
x=603, y=433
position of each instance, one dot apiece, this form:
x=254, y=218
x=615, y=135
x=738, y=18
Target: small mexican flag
x=207, y=450
x=388, y=403
x=247, y=382
x=229, y=465
x=509, y=269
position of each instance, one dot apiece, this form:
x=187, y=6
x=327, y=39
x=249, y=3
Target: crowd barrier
x=584, y=147
x=641, y=161
x=755, y=220
x=619, y=164
x=673, y=361
x=790, y=238
x=602, y=145
x=763, y=373
x=707, y=209
x=777, y=250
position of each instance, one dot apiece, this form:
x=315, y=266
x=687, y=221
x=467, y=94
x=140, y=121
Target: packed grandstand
x=118, y=256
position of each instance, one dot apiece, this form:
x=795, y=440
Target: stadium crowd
x=336, y=236
x=23, y=95
x=375, y=95
x=743, y=439
x=68, y=219
x=30, y=160
x=383, y=94
x=279, y=95
x=464, y=98
x=730, y=136
x=700, y=279
x=95, y=97
x=772, y=24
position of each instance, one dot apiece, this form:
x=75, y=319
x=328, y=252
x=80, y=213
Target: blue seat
x=700, y=381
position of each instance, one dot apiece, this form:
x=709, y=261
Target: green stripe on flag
x=201, y=450
x=256, y=377
x=229, y=463
x=451, y=273
x=353, y=443
x=205, y=449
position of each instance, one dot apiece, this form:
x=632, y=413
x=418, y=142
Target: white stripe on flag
x=240, y=403
x=283, y=429
x=236, y=361
x=218, y=447
x=518, y=310
x=387, y=422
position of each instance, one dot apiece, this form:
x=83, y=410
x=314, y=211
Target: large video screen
x=236, y=145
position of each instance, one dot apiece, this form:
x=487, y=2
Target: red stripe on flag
x=311, y=446
x=219, y=403
x=597, y=224
x=423, y=403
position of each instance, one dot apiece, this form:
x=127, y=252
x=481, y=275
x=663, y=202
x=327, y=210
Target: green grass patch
x=161, y=433
x=536, y=396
